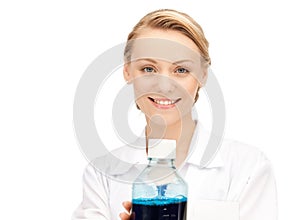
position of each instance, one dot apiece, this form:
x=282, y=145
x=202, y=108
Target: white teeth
x=164, y=102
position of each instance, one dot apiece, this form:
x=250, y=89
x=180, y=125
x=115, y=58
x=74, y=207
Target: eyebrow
x=182, y=61
x=155, y=62
x=146, y=59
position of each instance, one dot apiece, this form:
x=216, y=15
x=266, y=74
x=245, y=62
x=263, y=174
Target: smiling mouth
x=164, y=101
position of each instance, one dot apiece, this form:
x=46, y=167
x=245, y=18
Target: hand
x=126, y=215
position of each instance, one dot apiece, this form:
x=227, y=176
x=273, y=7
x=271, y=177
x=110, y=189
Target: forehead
x=166, y=45
x=168, y=34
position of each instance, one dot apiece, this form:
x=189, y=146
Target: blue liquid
x=159, y=209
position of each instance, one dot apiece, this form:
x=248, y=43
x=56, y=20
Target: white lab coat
x=237, y=184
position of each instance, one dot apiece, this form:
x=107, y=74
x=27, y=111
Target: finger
x=124, y=216
x=127, y=205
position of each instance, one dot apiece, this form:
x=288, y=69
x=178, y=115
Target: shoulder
x=119, y=161
x=243, y=158
x=240, y=150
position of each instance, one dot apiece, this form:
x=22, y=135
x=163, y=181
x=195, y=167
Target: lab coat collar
x=198, y=148
x=138, y=157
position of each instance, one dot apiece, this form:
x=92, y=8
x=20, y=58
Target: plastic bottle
x=159, y=192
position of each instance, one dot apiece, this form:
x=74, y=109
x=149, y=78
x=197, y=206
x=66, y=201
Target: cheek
x=144, y=84
x=191, y=87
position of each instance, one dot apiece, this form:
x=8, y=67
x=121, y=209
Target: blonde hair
x=168, y=19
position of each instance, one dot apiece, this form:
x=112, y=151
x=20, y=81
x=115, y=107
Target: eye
x=181, y=70
x=148, y=69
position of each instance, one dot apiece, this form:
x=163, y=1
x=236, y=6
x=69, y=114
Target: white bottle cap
x=162, y=148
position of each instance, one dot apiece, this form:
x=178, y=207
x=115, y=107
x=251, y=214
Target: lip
x=164, y=103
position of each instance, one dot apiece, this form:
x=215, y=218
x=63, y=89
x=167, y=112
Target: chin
x=164, y=119
x=167, y=121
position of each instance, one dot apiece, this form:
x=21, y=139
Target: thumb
x=127, y=205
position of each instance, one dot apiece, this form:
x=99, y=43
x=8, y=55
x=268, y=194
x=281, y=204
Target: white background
x=46, y=46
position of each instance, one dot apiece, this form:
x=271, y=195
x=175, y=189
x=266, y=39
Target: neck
x=181, y=131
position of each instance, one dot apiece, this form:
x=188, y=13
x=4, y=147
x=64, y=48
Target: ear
x=126, y=73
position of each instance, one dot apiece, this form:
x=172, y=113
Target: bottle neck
x=161, y=162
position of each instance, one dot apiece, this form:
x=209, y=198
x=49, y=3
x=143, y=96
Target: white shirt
x=237, y=184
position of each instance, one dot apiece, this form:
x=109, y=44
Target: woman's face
x=166, y=71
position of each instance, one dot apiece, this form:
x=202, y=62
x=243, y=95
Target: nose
x=165, y=83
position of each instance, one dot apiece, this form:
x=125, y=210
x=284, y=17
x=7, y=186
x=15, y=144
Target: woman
x=167, y=61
